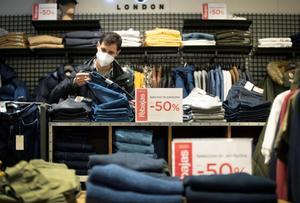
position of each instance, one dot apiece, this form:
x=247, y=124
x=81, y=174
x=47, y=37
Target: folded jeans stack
x=73, y=149
x=233, y=38
x=296, y=39
x=112, y=101
x=275, y=42
x=130, y=38
x=70, y=110
x=245, y=105
x=134, y=141
x=115, y=184
x=233, y=188
x=198, y=39
x=82, y=39
x=187, y=113
x=163, y=37
x=13, y=40
x=39, y=181
x=135, y=161
x=203, y=106
x=45, y=41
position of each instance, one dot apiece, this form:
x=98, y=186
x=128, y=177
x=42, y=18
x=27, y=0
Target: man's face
x=111, y=49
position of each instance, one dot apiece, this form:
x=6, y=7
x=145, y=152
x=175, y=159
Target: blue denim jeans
x=99, y=79
x=125, y=147
x=184, y=78
x=22, y=122
x=197, y=35
x=221, y=83
x=120, y=178
x=7, y=93
x=212, y=83
x=134, y=136
x=218, y=83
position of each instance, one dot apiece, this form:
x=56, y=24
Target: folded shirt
x=47, y=46
x=78, y=42
x=131, y=44
x=131, y=39
x=44, y=39
x=276, y=45
x=159, y=31
x=199, y=43
x=270, y=40
x=84, y=34
x=129, y=33
x=163, y=44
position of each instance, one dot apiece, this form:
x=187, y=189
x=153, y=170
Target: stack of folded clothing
x=198, y=39
x=115, y=184
x=134, y=141
x=130, y=38
x=163, y=37
x=13, y=40
x=45, y=41
x=39, y=181
x=82, y=39
x=296, y=39
x=135, y=161
x=187, y=113
x=233, y=38
x=71, y=110
x=233, y=188
x=275, y=42
x=73, y=149
x=246, y=105
x=111, y=103
x=204, y=106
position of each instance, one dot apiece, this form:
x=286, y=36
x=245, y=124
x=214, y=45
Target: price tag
x=214, y=11
x=158, y=105
x=19, y=142
x=44, y=11
x=211, y=156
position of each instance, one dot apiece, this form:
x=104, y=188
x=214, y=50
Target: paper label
x=19, y=142
x=258, y=90
x=249, y=86
x=78, y=99
x=3, y=107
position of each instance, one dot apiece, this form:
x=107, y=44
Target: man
x=104, y=63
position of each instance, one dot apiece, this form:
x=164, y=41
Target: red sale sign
x=44, y=11
x=211, y=156
x=214, y=11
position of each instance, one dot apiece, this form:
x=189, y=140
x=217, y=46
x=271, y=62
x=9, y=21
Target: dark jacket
x=66, y=86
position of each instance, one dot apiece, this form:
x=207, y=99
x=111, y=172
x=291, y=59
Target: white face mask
x=104, y=59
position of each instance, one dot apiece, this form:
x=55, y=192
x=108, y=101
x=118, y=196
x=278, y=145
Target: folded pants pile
x=233, y=38
x=13, y=40
x=45, y=41
x=203, y=106
x=233, y=188
x=245, y=105
x=198, y=39
x=38, y=181
x=73, y=149
x=116, y=184
x=82, y=39
x=130, y=38
x=134, y=141
x=70, y=110
x=112, y=101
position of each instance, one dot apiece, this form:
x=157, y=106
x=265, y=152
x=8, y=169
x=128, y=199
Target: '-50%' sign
x=158, y=105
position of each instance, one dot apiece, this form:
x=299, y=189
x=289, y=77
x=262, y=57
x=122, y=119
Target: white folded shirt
x=199, y=43
x=131, y=44
x=270, y=40
x=130, y=39
x=277, y=45
x=129, y=33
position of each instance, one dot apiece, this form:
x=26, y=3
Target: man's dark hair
x=111, y=38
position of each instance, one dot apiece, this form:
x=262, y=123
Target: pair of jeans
x=98, y=193
x=72, y=156
x=134, y=148
x=184, y=78
x=212, y=83
x=23, y=121
x=70, y=106
x=99, y=79
x=134, y=136
x=70, y=42
x=218, y=83
x=120, y=178
x=134, y=161
x=197, y=35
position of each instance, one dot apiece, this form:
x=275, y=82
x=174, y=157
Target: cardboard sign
x=211, y=156
x=214, y=11
x=158, y=105
x=44, y=11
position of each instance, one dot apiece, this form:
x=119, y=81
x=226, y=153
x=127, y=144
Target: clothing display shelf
x=216, y=24
x=43, y=25
x=218, y=49
x=165, y=132
x=277, y=51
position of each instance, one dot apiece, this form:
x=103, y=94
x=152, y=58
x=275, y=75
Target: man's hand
x=81, y=79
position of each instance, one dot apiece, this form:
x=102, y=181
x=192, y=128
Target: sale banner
x=211, y=156
x=158, y=105
x=44, y=11
x=214, y=11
